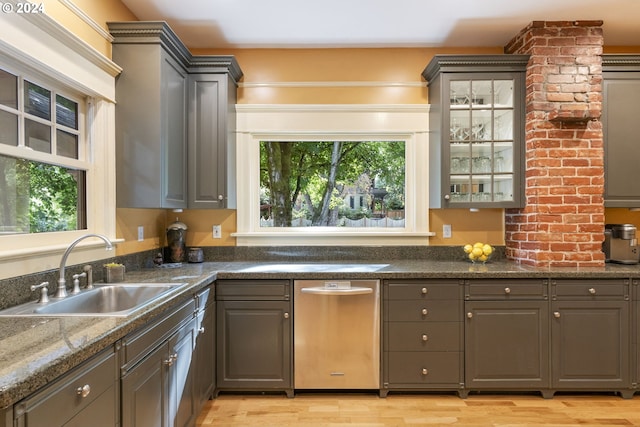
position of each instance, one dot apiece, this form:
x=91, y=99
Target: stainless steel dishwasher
x=336, y=334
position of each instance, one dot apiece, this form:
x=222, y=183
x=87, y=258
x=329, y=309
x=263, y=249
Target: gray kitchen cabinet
x=477, y=121
x=158, y=373
x=88, y=395
x=590, y=335
x=254, y=336
x=620, y=92
x=507, y=335
x=151, y=116
x=422, y=335
x=175, y=121
x=211, y=141
x=205, y=349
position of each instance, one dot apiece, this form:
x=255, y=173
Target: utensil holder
x=114, y=274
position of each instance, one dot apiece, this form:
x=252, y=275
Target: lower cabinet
x=254, y=330
x=422, y=335
x=86, y=396
x=507, y=335
x=158, y=375
x=591, y=337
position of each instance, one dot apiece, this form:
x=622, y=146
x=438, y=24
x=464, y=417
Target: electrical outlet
x=217, y=231
x=140, y=233
x=446, y=231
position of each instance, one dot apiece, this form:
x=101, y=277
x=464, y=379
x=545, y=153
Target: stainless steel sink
x=104, y=300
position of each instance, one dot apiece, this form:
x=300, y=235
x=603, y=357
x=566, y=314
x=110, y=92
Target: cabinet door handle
x=592, y=291
x=170, y=361
x=425, y=311
x=201, y=330
x=507, y=290
x=84, y=390
x=424, y=291
x=425, y=337
x=556, y=314
x=469, y=315
x=220, y=197
x=425, y=371
x=286, y=315
x=447, y=197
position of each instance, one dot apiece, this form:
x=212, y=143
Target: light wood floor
x=333, y=410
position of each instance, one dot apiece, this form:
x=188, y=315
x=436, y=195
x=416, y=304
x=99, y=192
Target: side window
x=42, y=167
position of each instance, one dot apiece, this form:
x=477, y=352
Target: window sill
x=328, y=237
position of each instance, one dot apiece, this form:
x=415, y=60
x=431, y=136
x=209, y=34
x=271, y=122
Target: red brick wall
x=562, y=223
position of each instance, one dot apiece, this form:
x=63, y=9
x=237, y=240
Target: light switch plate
x=446, y=231
x=140, y=233
x=217, y=231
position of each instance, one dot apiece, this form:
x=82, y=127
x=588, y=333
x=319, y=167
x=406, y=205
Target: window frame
x=37, y=46
x=408, y=123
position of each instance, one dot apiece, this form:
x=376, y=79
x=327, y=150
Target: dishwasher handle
x=320, y=290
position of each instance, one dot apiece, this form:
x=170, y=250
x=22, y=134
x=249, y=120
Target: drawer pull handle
x=425, y=311
x=507, y=290
x=469, y=315
x=592, y=291
x=425, y=337
x=425, y=371
x=424, y=291
x=556, y=314
x=171, y=360
x=286, y=315
x=84, y=390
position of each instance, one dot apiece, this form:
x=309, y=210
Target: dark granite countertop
x=35, y=351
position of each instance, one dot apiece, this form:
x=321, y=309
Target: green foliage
x=311, y=179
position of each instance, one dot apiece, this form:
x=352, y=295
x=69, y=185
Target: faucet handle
x=44, y=291
x=76, y=282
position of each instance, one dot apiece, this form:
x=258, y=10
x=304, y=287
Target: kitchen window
x=57, y=145
x=367, y=204
x=42, y=168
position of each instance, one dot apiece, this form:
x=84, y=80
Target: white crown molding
x=87, y=19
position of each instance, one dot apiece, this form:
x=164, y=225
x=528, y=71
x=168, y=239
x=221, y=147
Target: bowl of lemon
x=478, y=252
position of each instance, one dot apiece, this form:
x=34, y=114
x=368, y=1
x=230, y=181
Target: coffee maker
x=620, y=244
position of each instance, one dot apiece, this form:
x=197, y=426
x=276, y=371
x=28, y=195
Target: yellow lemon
x=478, y=245
x=487, y=250
x=468, y=248
x=472, y=257
x=477, y=252
x=483, y=258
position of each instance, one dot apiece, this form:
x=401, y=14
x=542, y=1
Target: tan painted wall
x=299, y=66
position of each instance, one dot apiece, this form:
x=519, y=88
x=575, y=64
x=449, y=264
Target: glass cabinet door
x=481, y=138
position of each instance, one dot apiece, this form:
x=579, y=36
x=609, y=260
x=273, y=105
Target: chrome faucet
x=62, y=283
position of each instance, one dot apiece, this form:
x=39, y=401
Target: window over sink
x=381, y=201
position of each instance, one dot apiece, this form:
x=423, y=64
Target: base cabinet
x=158, y=380
x=254, y=330
x=590, y=333
x=422, y=335
x=507, y=335
x=86, y=396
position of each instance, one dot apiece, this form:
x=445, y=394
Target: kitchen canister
x=196, y=255
x=176, y=247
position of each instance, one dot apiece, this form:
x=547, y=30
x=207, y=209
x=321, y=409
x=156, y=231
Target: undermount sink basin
x=104, y=300
x=313, y=268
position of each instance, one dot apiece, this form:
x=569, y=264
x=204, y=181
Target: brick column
x=562, y=223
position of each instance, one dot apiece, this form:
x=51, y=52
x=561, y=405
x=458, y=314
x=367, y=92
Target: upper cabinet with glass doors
x=477, y=130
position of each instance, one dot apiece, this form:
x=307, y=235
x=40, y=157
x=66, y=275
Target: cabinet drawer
x=607, y=288
x=253, y=290
x=506, y=289
x=423, y=290
x=421, y=336
x=142, y=342
x=424, y=368
x=58, y=402
x=427, y=311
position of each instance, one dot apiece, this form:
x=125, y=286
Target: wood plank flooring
x=369, y=410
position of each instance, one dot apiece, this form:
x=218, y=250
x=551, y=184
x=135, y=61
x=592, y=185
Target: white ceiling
x=377, y=23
